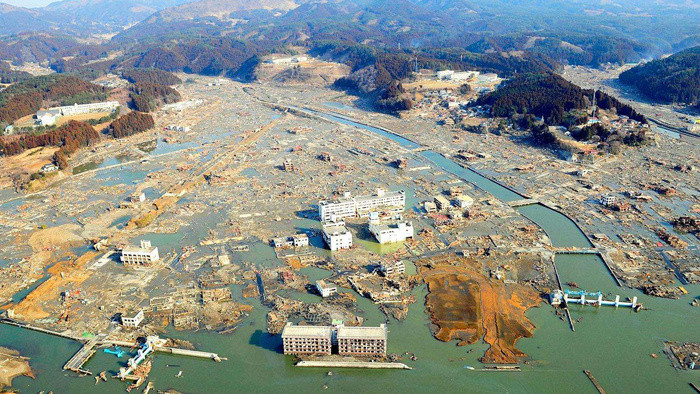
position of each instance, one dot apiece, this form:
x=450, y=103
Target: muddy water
x=614, y=344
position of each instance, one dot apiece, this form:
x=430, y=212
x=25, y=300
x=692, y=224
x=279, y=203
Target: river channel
x=614, y=344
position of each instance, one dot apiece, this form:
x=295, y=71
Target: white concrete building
x=361, y=205
x=300, y=240
x=144, y=255
x=282, y=242
x=325, y=289
x=463, y=75
x=389, y=268
x=48, y=118
x=132, y=319
x=137, y=197
x=396, y=230
x=77, y=109
x=337, y=236
x=296, y=240
x=306, y=339
x=382, y=200
x=608, y=199
x=337, y=210
x=441, y=202
x=362, y=341
x=464, y=201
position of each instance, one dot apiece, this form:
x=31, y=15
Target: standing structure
x=132, y=319
x=304, y=340
x=389, y=268
x=144, y=255
x=325, y=289
x=339, y=209
x=441, y=202
x=337, y=236
x=396, y=230
x=362, y=205
x=381, y=201
x=608, y=200
x=362, y=341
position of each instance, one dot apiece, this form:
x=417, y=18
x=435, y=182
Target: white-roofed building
x=362, y=341
x=302, y=340
x=337, y=210
x=361, y=205
x=132, y=319
x=396, y=230
x=382, y=200
x=337, y=236
x=143, y=255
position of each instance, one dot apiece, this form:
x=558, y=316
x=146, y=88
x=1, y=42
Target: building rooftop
x=322, y=284
x=334, y=229
x=362, y=332
x=382, y=193
x=291, y=330
x=138, y=249
x=391, y=224
x=336, y=201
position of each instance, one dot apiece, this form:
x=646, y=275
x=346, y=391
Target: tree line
x=69, y=138
x=675, y=79
x=147, y=97
x=130, y=124
x=28, y=96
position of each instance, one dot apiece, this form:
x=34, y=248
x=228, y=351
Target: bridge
x=76, y=362
x=523, y=202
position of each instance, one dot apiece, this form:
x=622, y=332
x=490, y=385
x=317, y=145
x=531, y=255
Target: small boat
x=469, y=367
x=179, y=374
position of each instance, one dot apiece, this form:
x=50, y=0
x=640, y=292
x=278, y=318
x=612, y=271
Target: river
x=614, y=344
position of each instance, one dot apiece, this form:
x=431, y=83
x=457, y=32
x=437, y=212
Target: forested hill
x=551, y=97
x=672, y=79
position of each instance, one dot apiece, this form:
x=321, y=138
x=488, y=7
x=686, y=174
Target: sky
x=28, y=3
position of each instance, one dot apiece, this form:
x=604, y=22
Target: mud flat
x=12, y=365
x=465, y=305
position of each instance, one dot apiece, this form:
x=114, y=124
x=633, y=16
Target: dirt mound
x=55, y=237
x=34, y=305
x=464, y=304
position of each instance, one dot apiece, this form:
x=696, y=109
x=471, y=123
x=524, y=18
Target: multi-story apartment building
x=361, y=205
x=305, y=340
x=362, y=341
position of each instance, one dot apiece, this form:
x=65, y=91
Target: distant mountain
x=113, y=14
x=673, y=79
x=80, y=17
x=18, y=19
x=222, y=9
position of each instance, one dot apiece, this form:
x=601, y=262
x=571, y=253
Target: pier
x=594, y=381
x=561, y=289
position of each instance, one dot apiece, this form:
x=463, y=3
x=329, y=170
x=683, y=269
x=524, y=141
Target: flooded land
x=499, y=227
